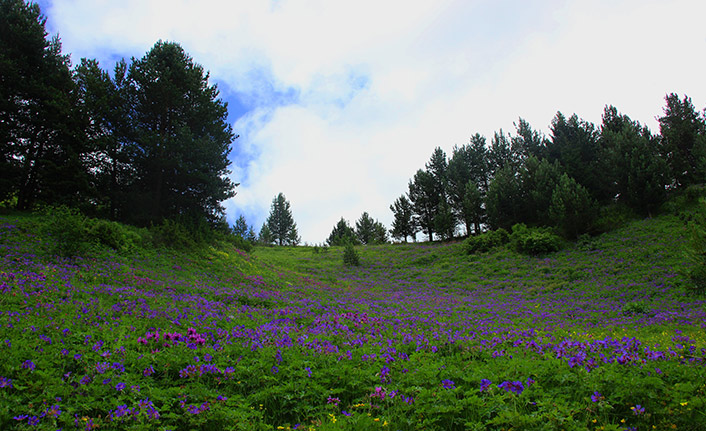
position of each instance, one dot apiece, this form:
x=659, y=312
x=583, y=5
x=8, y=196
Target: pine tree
x=574, y=144
x=341, y=234
x=181, y=138
x=503, y=201
x=281, y=223
x=633, y=163
x=425, y=200
x=468, y=167
x=41, y=150
x=472, y=212
x=265, y=236
x=240, y=228
x=370, y=231
x=445, y=222
x=404, y=223
x=103, y=110
x=573, y=209
x=683, y=131
x=539, y=178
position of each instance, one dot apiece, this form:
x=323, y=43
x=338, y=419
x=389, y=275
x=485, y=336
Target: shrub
x=108, y=233
x=239, y=242
x=350, y=256
x=613, y=216
x=68, y=229
x=173, y=234
x=486, y=241
x=534, y=241
x=633, y=308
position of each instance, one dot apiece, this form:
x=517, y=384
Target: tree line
x=142, y=144
x=560, y=180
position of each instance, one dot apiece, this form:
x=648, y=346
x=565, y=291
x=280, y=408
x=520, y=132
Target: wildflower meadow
x=597, y=336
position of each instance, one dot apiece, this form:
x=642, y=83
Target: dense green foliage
x=280, y=223
x=563, y=181
x=534, y=241
x=486, y=241
x=149, y=143
x=342, y=234
x=350, y=256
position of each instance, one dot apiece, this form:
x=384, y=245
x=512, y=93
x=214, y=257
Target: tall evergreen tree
x=404, y=223
x=538, y=178
x=103, y=110
x=683, y=131
x=423, y=195
x=41, y=149
x=637, y=172
x=503, y=201
x=341, y=234
x=468, y=174
x=574, y=144
x=370, y=231
x=573, y=209
x=182, y=138
x=281, y=223
x=472, y=211
x=445, y=221
x=527, y=142
x=265, y=236
x=241, y=228
x=501, y=154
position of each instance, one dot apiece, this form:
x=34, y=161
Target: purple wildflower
x=448, y=384
x=485, y=385
x=516, y=386
x=5, y=382
x=596, y=397
x=28, y=365
x=638, y=410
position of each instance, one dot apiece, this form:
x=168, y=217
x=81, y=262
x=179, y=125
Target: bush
x=239, y=242
x=534, y=241
x=350, y=256
x=635, y=308
x=68, y=230
x=173, y=234
x=110, y=234
x=486, y=241
x=613, y=216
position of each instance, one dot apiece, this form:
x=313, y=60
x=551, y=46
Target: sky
x=339, y=103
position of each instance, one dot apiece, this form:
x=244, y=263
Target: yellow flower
x=684, y=403
x=377, y=419
x=333, y=417
x=594, y=421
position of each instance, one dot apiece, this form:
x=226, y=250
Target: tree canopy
x=151, y=142
x=558, y=181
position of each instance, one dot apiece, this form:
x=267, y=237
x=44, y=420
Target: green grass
x=287, y=337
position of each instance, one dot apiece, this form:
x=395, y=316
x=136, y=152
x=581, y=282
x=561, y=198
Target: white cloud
x=349, y=99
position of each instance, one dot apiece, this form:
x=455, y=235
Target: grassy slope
x=624, y=285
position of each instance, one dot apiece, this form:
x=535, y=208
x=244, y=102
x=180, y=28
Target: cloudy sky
x=338, y=103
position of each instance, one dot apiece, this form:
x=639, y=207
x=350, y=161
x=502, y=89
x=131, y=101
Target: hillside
x=599, y=335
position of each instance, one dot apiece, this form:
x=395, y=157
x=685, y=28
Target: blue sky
x=337, y=103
